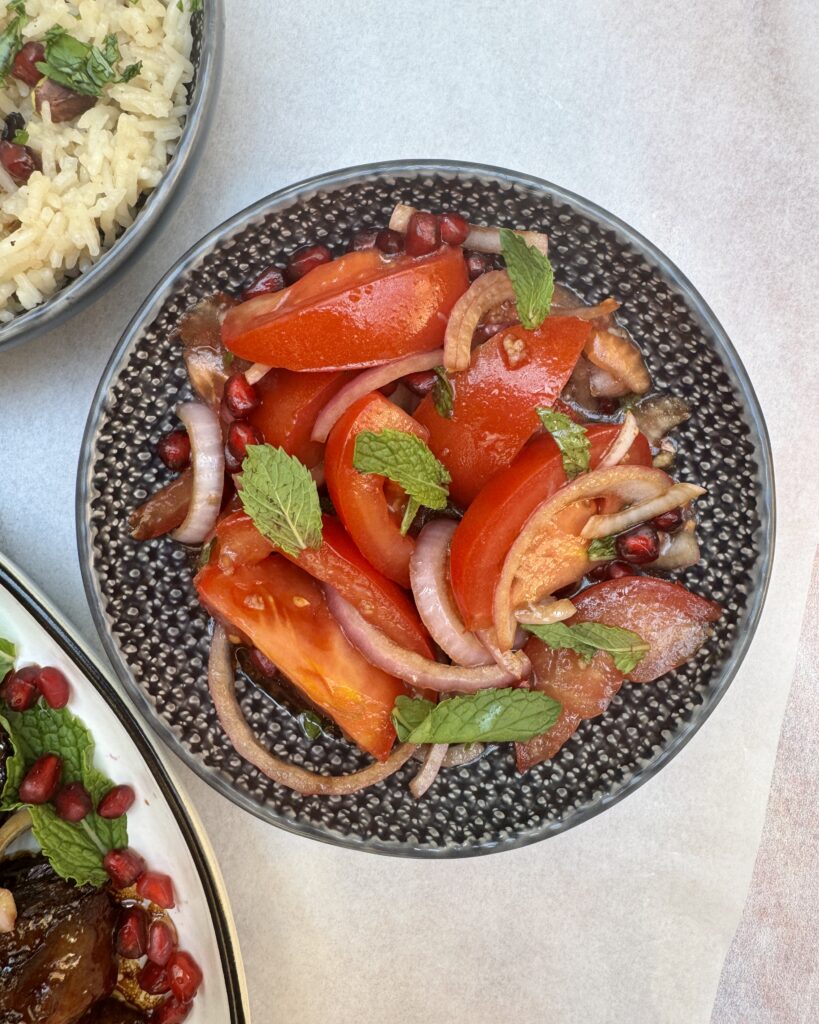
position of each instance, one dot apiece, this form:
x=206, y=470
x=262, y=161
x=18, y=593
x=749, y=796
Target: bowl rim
x=333, y=179
x=79, y=292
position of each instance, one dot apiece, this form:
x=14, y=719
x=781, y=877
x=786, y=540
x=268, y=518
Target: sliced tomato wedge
x=288, y=407
x=545, y=746
x=361, y=309
x=493, y=411
x=363, y=500
x=337, y=562
x=496, y=516
x=281, y=610
x=672, y=620
x=583, y=688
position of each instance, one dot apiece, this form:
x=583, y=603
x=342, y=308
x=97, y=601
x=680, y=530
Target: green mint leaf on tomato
x=79, y=66
x=532, y=278
x=407, y=461
x=11, y=38
x=281, y=497
x=626, y=648
x=602, y=549
x=442, y=393
x=491, y=716
x=8, y=653
x=571, y=438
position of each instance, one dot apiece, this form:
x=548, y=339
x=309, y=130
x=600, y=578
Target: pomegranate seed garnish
x=132, y=932
x=612, y=571
x=153, y=979
x=270, y=280
x=161, y=942
x=20, y=688
x=305, y=259
x=363, y=240
x=54, y=687
x=73, y=802
x=25, y=63
x=669, y=522
x=389, y=241
x=240, y=435
x=170, y=1012
x=116, y=802
x=175, y=450
x=454, y=228
x=423, y=234
x=421, y=382
x=476, y=264
x=19, y=161
x=124, y=866
x=240, y=396
x=639, y=545
x=156, y=888
x=41, y=780
x=184, y=975
x=262, y=663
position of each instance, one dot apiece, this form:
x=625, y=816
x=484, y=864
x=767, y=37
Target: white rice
x=95, y=167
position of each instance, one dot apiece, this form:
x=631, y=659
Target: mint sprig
x=408, y=462
x=442, y=393
x=491, y=716
x=626, y=648
x=571, y=438
x=281, y=497
x=532, y=277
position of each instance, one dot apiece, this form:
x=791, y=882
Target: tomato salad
x=434, y=494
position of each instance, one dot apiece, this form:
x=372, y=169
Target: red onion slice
x=619, y=447
x=222, y=685
x=254, y=373
x=371, y=380
x=511, y=661
x=488, y=291
x=414, y=669
x=480, y=237
x=208, y=463
x=546, y=613
x=433, y=762
x=617, y=522
x=429, y=573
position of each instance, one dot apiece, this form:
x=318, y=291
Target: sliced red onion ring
x=617, y=522
x=208, y=463
x=414, y=669
x=479, y=239
x=433, y=762
x=546, y=613
x=615, y=352
x=429, y=573
x=222, y=685
x=512, y=661
x=619, y=447
x=602, y=309
x=488, y=291
x=460, y=754
x=371, y=380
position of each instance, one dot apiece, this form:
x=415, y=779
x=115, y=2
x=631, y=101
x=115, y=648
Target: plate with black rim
x=162, y=825
x=157, y=635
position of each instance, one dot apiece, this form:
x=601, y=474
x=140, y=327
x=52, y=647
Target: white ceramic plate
x=162, y=825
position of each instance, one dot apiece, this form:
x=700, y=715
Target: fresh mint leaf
x=602, y=549
x=85, y=69
x=8, y=652
x=407, y=461
x=14, y=768
x=71, y=849
x=20, y=137
x=626, y=648
x=493, y=716
x=571, y=438
x=196, y=5
x=11, y=38
x=532, y=278
x=311, y=725
x=281, y=497
x=442, y=393
x=205, y=553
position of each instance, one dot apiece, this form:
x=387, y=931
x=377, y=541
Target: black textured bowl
x=157, y=634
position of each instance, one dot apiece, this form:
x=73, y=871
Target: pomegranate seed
x=612, y=571
x=156, y=888
x=240, y=396
x=132, y=932
x=363, y=240
x=73, y=802
x=41, y=780
x=175, y=450
x=423, y=234
x=124, y=866
x=116, y=802
x=25, y=63
x=421, y=382
x=153, y=979
x=240, y=435
x=161, y=942
x=639, y=545
x=305, y=259
x=669, y=522
x=389, y=241
x=19, y=161
x=476, y=264
x=262, y=663
x=607, y=406
x=454, y=228
x=170, y=1012
x=184, y=975
x=54, y=687
x=270, y=280
x=20, y=688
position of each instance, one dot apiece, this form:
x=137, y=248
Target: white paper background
x=696, y=123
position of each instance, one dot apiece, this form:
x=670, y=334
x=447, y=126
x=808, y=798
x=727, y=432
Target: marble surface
x=696, y=123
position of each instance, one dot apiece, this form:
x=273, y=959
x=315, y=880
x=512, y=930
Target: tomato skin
x=288, y=407
x=496, y=516
x=359, y=310
x=493, y=411
x=361, y=499
x=282, y=611
x=583, y=688
x=545, y=746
